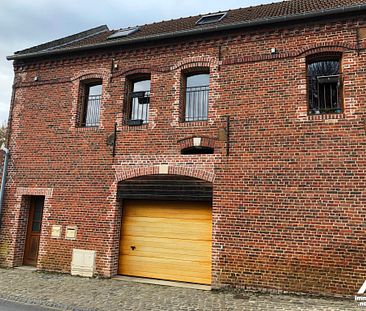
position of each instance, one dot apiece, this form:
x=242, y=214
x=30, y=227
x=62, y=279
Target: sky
x=25, y=23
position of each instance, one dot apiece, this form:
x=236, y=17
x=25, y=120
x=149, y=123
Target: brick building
x=225, y=149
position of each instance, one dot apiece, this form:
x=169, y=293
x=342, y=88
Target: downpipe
x=3, y=178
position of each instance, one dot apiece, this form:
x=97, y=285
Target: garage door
x=166, y=240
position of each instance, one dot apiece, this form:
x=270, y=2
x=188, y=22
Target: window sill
x=329, y=116
x=130, y=128
x=87, y=128
x=193, y=123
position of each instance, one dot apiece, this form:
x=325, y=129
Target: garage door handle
x=133, y=247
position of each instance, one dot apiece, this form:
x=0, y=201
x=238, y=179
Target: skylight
x=124, y=32
x=211, y=18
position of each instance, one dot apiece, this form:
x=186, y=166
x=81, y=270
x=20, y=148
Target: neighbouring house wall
x=289, y=200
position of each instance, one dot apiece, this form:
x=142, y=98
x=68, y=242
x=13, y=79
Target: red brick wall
x=289, y=200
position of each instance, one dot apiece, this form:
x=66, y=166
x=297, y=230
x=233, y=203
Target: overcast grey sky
x=25, y=23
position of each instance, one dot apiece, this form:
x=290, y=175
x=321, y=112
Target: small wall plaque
x=71, y=232
x=56, y=231
x=197, y=141
x=222, y=134
x=163, y=169
x=362, y=33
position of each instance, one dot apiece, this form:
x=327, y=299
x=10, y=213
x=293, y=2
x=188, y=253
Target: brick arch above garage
x=123, y=172
x=165, y=187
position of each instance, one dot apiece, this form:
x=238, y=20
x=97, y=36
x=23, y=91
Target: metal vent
x=124, y=32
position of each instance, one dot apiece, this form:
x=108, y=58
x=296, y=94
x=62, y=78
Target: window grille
x=91, y=105
x=138, y=102
x=324, y=87
x=196, y=97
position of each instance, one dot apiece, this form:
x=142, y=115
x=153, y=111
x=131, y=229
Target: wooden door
x=33, y=231
x=167, y=240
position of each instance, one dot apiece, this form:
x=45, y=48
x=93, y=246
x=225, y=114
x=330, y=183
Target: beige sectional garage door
x=166, y=240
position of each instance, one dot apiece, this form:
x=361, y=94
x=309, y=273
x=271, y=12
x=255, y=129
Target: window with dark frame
x=197, y=150
x=196, y=91
x=138, y=100
x=211, y=18
x=91, y=102
x=124, y=32
x=324, y=85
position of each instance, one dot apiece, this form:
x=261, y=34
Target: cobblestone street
x=73, y=293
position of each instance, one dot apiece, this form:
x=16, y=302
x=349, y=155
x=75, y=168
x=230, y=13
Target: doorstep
x=26, y=268
x=161, y=282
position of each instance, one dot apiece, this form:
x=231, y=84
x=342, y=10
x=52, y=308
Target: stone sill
x=333, y=116
x=97, y=129
x=132, y=128
x=193, y=124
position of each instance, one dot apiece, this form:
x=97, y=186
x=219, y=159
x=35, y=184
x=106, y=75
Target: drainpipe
x=3, y=179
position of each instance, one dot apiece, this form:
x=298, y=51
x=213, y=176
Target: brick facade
x=289, y=199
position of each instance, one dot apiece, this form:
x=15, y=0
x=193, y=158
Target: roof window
x=123, y=32
x=211, y=18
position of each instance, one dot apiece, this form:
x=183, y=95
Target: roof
x=239, y=18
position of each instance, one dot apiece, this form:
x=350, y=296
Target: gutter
x=3, y=179
x=181, y=33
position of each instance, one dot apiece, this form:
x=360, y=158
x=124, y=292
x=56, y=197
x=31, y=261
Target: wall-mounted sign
x=71, y=232
x=56, y=231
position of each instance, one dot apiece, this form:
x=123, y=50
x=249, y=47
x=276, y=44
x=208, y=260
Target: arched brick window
x=90, y=99
x=137, y=99
x=324, y=83
x=195, y=88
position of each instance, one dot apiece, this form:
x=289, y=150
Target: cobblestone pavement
x=74, y=293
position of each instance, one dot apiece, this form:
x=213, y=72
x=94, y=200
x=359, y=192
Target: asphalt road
x=15, y=306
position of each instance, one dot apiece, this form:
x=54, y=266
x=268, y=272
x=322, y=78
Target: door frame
x=31, y=211
x=20, y=210
x=127, y=173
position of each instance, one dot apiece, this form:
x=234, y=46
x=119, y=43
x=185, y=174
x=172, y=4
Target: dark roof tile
x=77, y=38
x=99, y=35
